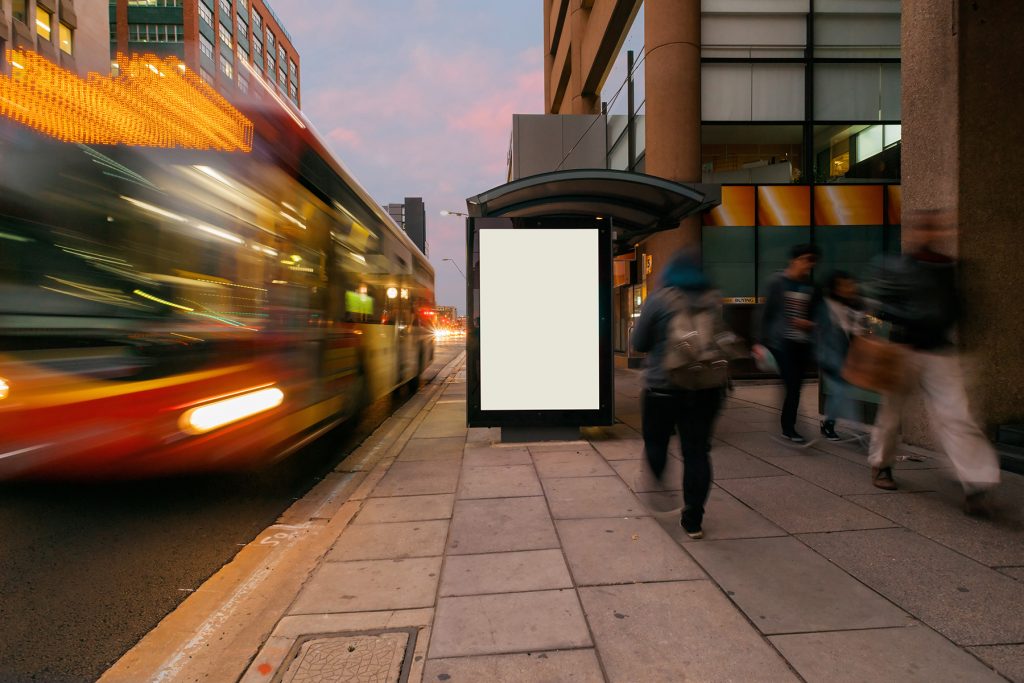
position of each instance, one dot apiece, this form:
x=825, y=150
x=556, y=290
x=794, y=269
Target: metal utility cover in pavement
x=379, y=657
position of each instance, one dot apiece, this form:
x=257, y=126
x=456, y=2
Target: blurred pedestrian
x=839, y=317
x=917, y=293
x=787, y=328
x=687, y=345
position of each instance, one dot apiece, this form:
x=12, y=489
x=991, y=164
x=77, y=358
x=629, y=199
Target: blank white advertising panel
x=539, y=319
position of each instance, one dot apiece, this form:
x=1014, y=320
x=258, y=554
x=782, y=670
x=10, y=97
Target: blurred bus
x=169, y=310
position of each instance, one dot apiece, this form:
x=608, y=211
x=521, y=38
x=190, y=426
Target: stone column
x=672, y=72
x=581, y=103
x=961, y=105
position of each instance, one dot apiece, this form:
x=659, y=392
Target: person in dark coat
x=667, y=408
x=787, y=328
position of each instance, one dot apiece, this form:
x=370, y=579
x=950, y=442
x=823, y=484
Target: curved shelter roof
x=639, y=204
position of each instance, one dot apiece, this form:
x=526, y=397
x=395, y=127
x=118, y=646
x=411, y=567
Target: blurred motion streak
x=225, y=411
x=152, y=103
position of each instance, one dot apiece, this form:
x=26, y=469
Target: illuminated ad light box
x=539, y=305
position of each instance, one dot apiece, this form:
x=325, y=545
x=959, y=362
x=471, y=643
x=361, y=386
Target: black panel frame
x=605, y=413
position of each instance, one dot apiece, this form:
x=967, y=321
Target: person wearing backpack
x=686, y=373
x=787, y=328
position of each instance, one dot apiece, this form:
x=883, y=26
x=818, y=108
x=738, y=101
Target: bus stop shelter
x=539, y=289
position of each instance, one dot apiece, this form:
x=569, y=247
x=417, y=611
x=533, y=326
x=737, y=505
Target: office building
x=238, y=46
x=412, y=218
x=798, y=109
x=71, y=33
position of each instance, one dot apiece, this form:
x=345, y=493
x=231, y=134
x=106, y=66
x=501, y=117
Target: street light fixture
x=446, y=212
x=456, y=267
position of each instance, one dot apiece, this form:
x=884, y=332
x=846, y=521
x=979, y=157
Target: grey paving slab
x=785, y=587
x=724, y=517
x=570, y=666
x=636, y=475
x=483, y=435
x=508, y=481
x=633, y=419
x=1006, y=659
x=837, y=475
x=751, y=414
x=579, y=462
x=624, y=449
x=495, y=456
x=418, y=478
x=913, y=654
x=603, y=551
x=766, y=445
x=615, y=432
x=445, y=448
x=729, y=462
x=515, y=572
x=677, y=631
x=996, y=543
x=960, y=598
x=800, y=507
x=405, y=509
x=514, y=622
x=370, y=586
x=1013, y=572
x=444, y=419
x=390, y=541
x=577, y=497
x=858, y=455
x=562, y=445
x=500, y=525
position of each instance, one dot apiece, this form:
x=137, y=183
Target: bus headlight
x=5, y=388
x=206, y=418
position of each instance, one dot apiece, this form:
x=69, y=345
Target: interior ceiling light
x=151, y=103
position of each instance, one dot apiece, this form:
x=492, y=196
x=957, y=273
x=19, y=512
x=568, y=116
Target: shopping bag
x=875, y=364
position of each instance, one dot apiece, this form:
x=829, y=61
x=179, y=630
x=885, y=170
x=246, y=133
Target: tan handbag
x=875, y=364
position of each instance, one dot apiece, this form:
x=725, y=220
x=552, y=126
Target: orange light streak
x=152, y=103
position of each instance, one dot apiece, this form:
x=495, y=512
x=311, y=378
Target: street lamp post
x=456, y=267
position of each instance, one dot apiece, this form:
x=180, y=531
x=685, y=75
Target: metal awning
x=639, y=204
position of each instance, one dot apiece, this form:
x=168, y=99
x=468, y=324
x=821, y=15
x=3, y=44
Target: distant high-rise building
x=71, y=33
x=230, y=43
x=412, y=218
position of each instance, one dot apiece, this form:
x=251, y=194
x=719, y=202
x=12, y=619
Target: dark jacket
x=917, y=293
x=772, y=330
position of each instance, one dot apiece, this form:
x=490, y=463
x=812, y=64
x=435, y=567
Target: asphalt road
x=86, y=570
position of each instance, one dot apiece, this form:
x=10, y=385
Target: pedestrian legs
x=695, y=423
x=658, y=421
x=975, y=461
x=792, y=359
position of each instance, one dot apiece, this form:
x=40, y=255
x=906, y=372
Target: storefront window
x=751, y=153
x=752, y=92
x=857, y=92
x=857, y=152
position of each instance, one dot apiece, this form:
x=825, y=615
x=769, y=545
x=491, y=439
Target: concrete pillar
x=961, y=138
x=672, y=72
x=581, y=103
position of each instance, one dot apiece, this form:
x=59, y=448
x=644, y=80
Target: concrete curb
x=218, y=630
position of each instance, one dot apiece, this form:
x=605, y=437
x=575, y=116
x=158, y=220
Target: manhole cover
x=376, y=658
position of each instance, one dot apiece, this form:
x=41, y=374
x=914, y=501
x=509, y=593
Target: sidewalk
x=469, y=560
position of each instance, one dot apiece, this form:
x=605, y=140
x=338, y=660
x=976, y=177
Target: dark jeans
x=792, y=358
x=692, y=414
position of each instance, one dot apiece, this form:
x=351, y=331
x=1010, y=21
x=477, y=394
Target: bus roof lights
x=145, y=105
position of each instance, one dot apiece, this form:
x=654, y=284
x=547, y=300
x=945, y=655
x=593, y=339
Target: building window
x=294, y=71
x=293, y=92
x=282, y=77
x=225, y=35
x=44, y=21
x=258, y=47
x=156, y=33
x=225, y=10
x=243, y=81
x=206, y=75
x=755, y=153
x=205, y=46
x=206, y=14
x=66, y=38
x=752, y=92
x=861, y=91
x=226, y=67
x=271, y=45
x=257, y=22
x=241, y=29
x=20, y=10
x=153, y=3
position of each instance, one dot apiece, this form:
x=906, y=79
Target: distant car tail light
x=210, y=416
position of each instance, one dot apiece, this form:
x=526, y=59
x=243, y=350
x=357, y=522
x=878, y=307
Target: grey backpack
x=698, y=346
